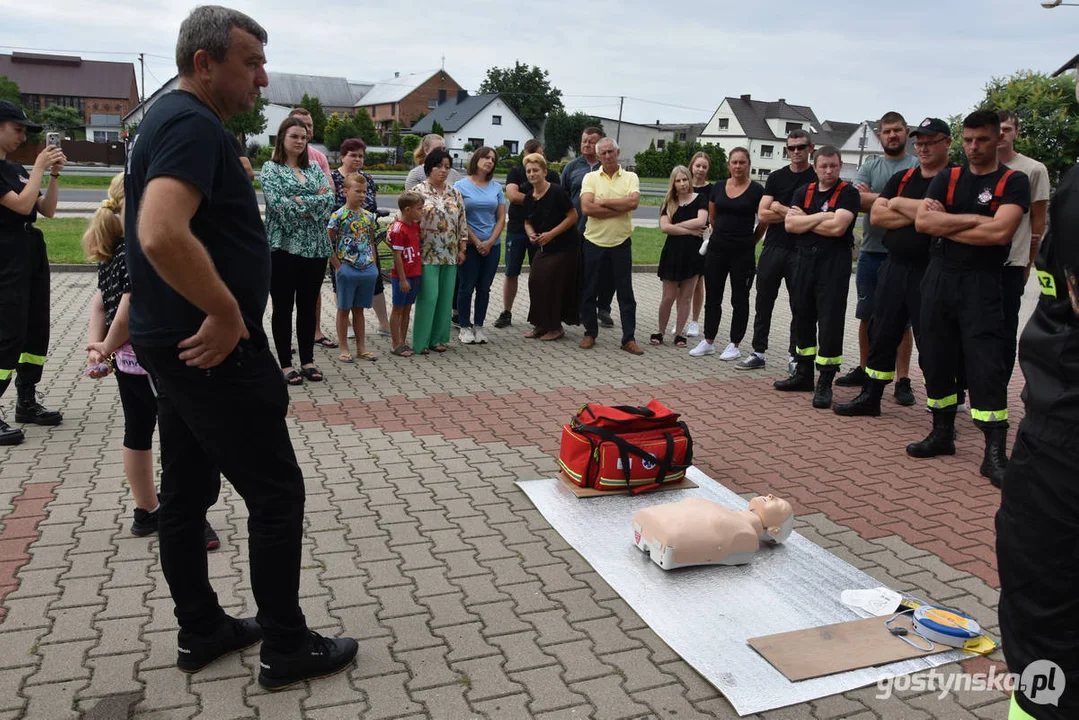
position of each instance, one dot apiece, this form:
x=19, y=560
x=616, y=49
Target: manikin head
x=776, y=514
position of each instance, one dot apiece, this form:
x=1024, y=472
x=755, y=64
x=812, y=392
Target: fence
x=78, y=151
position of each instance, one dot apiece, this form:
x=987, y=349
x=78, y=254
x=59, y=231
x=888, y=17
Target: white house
x=635, y=138
x=760, y=127
x=474, y=121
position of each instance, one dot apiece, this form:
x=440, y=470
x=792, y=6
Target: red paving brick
x=20, y=530
x=753, y=439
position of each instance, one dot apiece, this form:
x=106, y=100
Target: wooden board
x=829, y=649
x=683, y=484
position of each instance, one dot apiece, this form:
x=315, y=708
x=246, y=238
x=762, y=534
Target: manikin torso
x=696, y=531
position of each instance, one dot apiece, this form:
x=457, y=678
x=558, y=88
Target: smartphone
x=54, y=139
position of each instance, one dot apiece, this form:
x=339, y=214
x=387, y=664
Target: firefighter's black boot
x=995, y=462
x=939, y=442
x=801, y=380
x=29, y=410
x=822, y=396
x=9, y=435
x=867, y=403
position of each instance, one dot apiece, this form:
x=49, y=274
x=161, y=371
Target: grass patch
x=92, y=182
x=63, y=239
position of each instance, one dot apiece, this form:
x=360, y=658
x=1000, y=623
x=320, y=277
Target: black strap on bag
x=626, y=448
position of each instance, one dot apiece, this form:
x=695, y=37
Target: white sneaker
x=477, y=333
x=693, y=329
x=466, y=336
x=731, y=353
x=703, y=348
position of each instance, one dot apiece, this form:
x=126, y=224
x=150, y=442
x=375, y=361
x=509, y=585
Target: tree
x=365, y=127
x=395, y=134
x=342, y=126
x=436, y=128
x=659, y=163
x=411, y=142
x=9, y=90
x=525, y=89
x=318, y=116
x=60, y=119
x=252, y=122
x=1048, y=117
x=562, y=132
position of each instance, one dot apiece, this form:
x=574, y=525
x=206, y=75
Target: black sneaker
x=316, y=658
x=752, y=362
x=145, y=523
x=212, y=541
x=505, y=319
x=904, y=395
x=854, y=378
x=194, y=652
x=605, y=318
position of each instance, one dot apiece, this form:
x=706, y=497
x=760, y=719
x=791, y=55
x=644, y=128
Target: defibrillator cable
x=902, y=633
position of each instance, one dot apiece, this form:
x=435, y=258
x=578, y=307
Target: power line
x=83, y=52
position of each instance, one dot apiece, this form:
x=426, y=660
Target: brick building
x=405, y=98
x=103, y=92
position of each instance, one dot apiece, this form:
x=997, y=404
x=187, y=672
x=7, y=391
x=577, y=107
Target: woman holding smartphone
x=24, y=270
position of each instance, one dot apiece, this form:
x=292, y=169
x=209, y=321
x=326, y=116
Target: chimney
x=397, y=74
x=745, y=97
x=782, y=100
x=461, y=95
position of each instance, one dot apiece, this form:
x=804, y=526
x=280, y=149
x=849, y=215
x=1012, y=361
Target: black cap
x=932, y=126
x=10, y=112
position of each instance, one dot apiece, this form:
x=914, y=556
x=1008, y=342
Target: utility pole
x=142, y=87
x=618, y=131
x=862, y=141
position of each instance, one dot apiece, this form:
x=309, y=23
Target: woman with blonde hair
x=417, y=175
x=683, y=218
x=109, y=351
x=699, y=166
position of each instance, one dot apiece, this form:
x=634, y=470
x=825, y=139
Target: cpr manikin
x=696, y=531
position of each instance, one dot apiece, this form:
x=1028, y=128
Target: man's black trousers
x=229, y=420
x=821, y=288
x=898, y=302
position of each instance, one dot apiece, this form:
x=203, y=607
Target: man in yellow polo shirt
x=608, y=198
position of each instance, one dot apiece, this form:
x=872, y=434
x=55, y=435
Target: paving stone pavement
x=466, y=603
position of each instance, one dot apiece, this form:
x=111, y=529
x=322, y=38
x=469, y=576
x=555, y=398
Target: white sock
x=759, y=354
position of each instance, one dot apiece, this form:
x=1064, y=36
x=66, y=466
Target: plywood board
x=582, y=492
x=829, y=649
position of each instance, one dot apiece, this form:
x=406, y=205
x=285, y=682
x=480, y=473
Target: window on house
x=476, y=143
x=106, y=136
x=496, y=119
x=766, y=151
x=660, y=144
x=791, y=127
x=764, y=173
x=441, y=96
x=724, y=123
x=432, y=104
x=393, y=110
x=511, y=145
x=682, y=137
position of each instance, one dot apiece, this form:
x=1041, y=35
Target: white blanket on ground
x=707, y=614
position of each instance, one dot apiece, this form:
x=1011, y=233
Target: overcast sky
x=847, y=59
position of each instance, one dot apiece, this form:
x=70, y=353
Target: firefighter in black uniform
x=24, y=270
x=972, y=212
x=821, y=218
x=1038, y=520
x=898, y=299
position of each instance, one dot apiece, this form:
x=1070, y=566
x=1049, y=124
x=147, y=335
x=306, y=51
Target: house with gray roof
x=759, y=126
x=406, y=97
x=287, y=89
x=471, y=121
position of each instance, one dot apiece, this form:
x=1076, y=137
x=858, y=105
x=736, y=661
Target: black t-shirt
x=735, y=217
x=1049, y=345
x=826, y=201
x=515, y=216
x=546, y=213
x=181, y=137
x=13, y=178
x=705, y=191
x=781, y=185
x=907, y=242
x=974, y=195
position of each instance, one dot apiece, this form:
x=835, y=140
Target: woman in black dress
x=732, y=212
x=699, y=166
x=551, y=225
x=683, y=218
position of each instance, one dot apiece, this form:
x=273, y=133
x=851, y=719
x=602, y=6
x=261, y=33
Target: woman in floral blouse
x=443, y=239
x=299, y=199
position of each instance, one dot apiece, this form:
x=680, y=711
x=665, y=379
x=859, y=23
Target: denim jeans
x=476, y=275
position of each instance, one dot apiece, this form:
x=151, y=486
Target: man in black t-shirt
x=897, y=303
x=199, y=265
x=517, y=243
x=821, y=219
x=973, y=213
x=779, y=258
